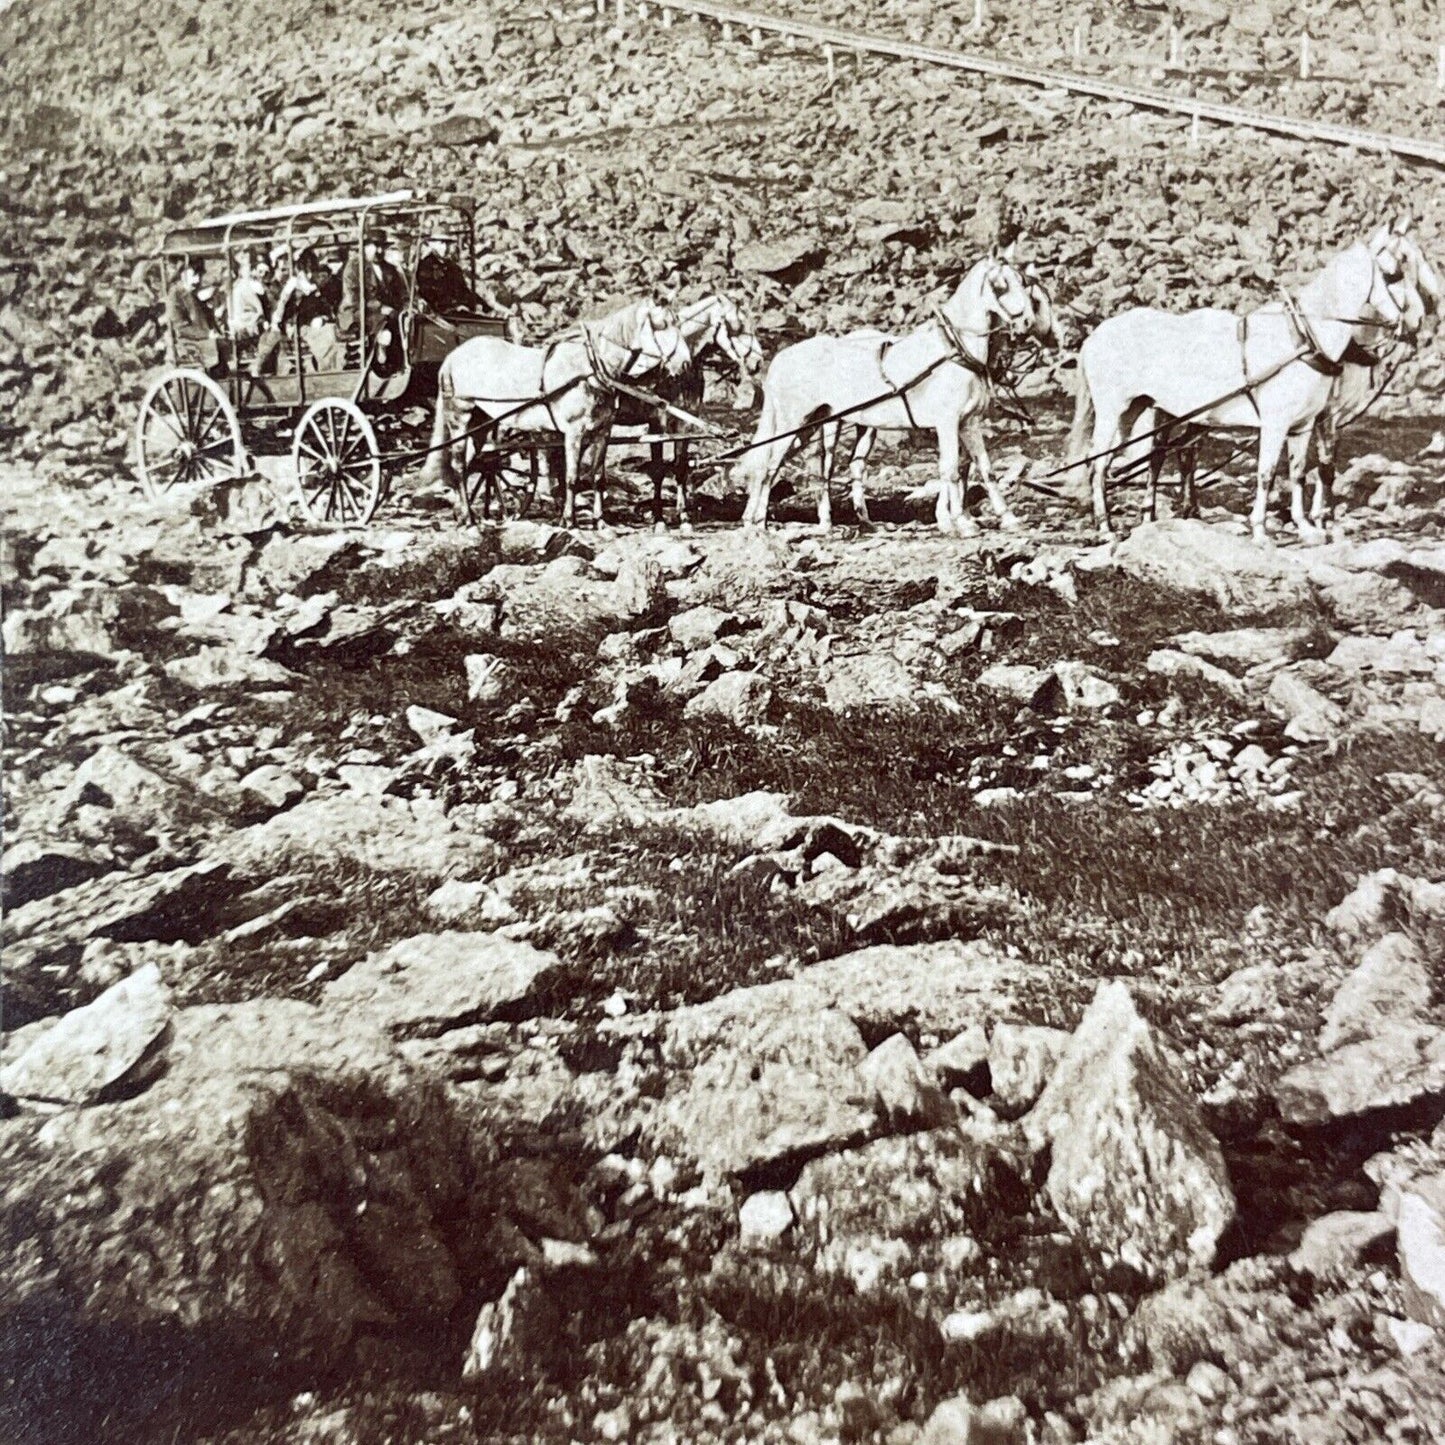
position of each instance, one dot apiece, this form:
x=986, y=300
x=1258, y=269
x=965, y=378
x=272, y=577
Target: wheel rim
x=337, y=468
x=187, y=433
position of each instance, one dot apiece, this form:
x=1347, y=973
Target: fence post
x=621, y=11
x=1079, y=41
x=978, y=14
x=1304, y=56
x=832, y=67
x=1194, y=132
x=1176, y=45
x=757, y=38
x=727, y=32
x=666, y=18
x=1440, y=68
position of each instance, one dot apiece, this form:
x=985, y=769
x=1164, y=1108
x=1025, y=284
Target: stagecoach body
x=207, y=415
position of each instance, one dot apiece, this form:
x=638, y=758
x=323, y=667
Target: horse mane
x=1336, y=296
x=621, y=326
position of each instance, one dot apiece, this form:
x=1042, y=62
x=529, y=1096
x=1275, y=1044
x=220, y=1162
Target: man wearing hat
x=193, y=328
x=385, y=294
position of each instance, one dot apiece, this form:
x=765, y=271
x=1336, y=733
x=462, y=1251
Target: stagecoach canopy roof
x=212, y=237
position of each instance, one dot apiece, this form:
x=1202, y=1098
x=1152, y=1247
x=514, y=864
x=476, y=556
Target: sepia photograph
x=722, y=724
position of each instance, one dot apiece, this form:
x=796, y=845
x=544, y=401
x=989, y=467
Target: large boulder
x=438, y=981
x=388, y=834
x=99, y=1048
x=1134, y=1171
x=1401, y=1065
x=1421, y=1247
x=1205, y=561
x=924, y=1189
x=284, y=1185
x=1391, y=984
x=761, y=1075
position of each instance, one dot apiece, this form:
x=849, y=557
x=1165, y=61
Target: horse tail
x=438, y=465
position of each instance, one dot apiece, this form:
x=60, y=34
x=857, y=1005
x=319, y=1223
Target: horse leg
x=1322, y=509
x=857, y=464
x=658, y=524
x=978, y=454
x=1188, y=462
x=597, y=473
x=572, y=446
x=1109, y=432
x=952, y=520
x=682, y=467
x=1298, y=444
x=1158, y=455
x=1271, y=443
x=828, y=436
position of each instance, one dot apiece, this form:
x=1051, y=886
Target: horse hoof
x=659, y=529
x=1009, y=522
x=685, y=528
x=965, y=527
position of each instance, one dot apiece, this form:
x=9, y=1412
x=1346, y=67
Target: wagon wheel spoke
x=179, y=426
x=312, y=452
x=184, y=391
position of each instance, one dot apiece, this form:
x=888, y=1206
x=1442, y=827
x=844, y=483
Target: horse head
x=1006, y=296
x=732, y=335
x=1368, y=285
x=1045, y=327
x=1423, y=284
x=658, y=340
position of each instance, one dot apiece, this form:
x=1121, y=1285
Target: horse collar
x=961, y=354
x=1315, y=356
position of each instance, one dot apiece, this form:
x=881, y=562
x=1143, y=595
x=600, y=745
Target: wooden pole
x=1078, y=41
x=666, y=18
x=1440, y=68
x=832, y=66
x=1304, y=56
x=1194, y=132
x=1176, y=45
x=978, y=14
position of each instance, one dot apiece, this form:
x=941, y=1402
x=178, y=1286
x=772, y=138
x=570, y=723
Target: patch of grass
x=345, y=911
x=693, y=927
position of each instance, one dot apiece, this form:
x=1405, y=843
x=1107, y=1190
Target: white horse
x=934, y=378
x=1356, y=387
x=1215, y=369
x=561, y=387
x=1044, y=328
x=712, y=326
x=1353, y=391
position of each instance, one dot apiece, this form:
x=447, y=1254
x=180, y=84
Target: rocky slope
x=517, y=985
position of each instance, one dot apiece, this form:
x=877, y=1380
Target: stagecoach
x=215, y=406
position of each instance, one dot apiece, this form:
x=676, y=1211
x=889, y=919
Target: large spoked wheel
x=500, y=485
x=338, y=464
x=186, y=432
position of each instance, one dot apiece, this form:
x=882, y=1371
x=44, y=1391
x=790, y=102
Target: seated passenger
x=302, y=304
x=194, y=335
x=372, y=280
x=248, y=309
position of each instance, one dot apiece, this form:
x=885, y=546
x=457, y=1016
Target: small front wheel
x=338, y=464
